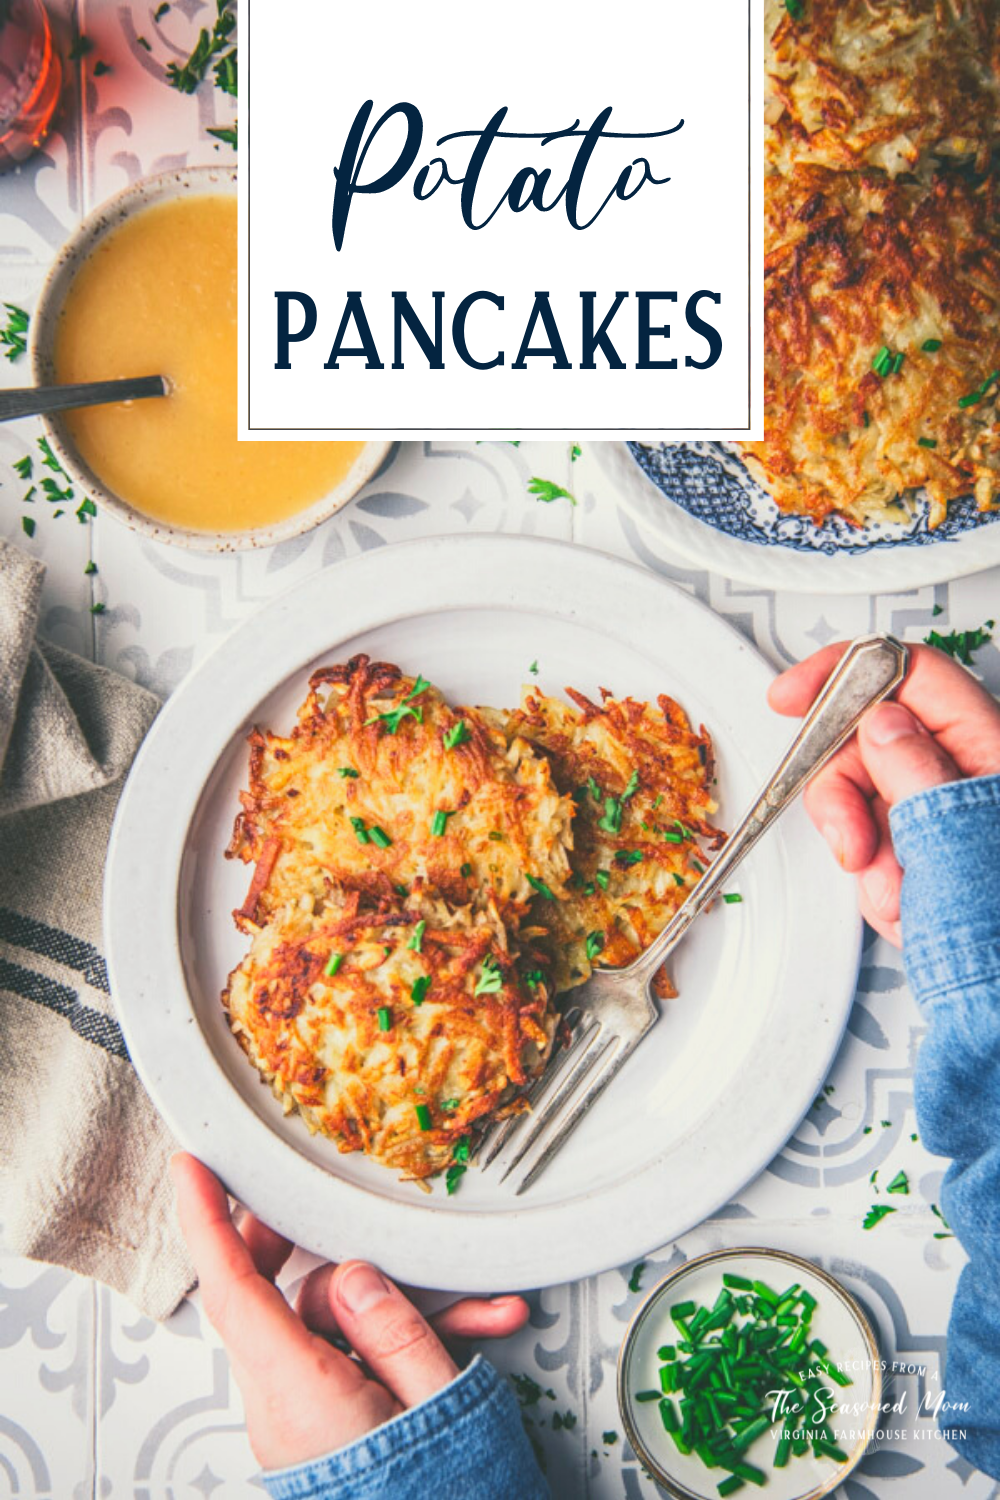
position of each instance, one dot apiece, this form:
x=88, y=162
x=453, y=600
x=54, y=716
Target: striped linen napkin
x=83, y=1154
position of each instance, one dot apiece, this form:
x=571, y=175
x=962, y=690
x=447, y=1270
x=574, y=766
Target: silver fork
x=616, y=1006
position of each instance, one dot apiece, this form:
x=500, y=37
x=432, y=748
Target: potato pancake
x=641, y=779
x=381, y=784
x=392, y=1029
x=882, y=258
x=428, y=878
x=882, y=365
x=893, y=84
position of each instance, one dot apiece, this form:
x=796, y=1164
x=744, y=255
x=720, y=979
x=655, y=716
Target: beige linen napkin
x=83, y=1154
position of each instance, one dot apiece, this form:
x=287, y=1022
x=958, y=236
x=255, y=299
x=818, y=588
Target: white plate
x=714, y=1091
x=888, y=566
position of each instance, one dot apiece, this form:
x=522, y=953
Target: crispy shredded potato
x=357, y=1056
x=893, y=84
x=881, y=232
x=369, y=753
x=855, y=264
x=428, y=879
x=641, y=779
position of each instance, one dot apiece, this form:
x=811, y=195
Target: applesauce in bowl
x=147, y=286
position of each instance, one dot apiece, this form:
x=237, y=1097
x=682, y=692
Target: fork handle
x=867, y=672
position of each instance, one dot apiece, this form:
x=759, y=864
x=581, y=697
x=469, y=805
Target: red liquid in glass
x=30, y=79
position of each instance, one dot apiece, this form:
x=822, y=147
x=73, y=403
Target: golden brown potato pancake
x=862, y=270
x=641, y=779
x=381, y=784
x=391, y=1028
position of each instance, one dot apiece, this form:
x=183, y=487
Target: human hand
x=942, y=726
x=303, y=1397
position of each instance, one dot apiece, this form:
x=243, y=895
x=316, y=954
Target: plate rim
x=156, y=966
x=694, y=542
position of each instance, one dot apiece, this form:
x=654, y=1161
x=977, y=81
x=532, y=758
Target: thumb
x=899, y=754
x=388, y=1333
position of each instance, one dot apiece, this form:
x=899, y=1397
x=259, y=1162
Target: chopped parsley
x=876, y=1214
x=899, y=1184
x=81, y=46
x=346, y=771
x=546, y=491
x=939, y=1215
x=27, y=525
x=458, y=734
x=144, y=43
x=595, y=942
x=453, y=1177
x=490, y=979
x=609, y=1439
x=562, y=1420
x=466, y=871
x=628, y=856
x=449, y=1103
x=732, y=898
x=23, y=466
x=226, y=133
x=210, y=45
x=961, y=643
x=603, y=878
x=90, y=568
x=795, y=9
x=84, y=509
x=161, y=10
x=533, y=669
x=416, y=941
x=13, y=337
x=574, y=453
x=635, y=1280
x=98, y=609
x=100, y=68
x=611, y=822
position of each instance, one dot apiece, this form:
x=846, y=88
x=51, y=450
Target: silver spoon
x=36, y=400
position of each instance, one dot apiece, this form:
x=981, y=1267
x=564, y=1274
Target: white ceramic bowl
x=839, y=1322
x=131, y=200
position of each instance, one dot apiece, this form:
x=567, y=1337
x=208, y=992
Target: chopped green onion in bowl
x=749, y=1369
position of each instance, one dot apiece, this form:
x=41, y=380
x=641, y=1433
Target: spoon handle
x=36, y=400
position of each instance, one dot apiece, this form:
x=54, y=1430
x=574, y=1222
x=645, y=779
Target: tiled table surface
x=98, y=1401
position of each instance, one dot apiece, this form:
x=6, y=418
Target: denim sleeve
x=948, y=842
x=465, y=1443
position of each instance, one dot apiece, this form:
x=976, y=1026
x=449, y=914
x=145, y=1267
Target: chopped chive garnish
x=595, y=942
x=632, y=786
x=897, y=363
x=594, y=789
x=333, y=964
x=539, y=886
x=419, y=988
x=384, y=1015
x=732, y=898
x=423, y=1116
x=926, y=442
x=361, y=832
x=347, y=771
x=458, y=734
x=439, y=823
x=648, y=1395
x=466, y=871
x=495, y=835
x=533, y=669
x=418, y=936
x=611, y=822
x=379, y=836
x=453, y=1177
x=931, y=346
x=602, y=877
x=628, y=856
x=449, y=1103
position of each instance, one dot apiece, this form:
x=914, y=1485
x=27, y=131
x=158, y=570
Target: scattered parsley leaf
x=876, y=1214
x=80, y=48
x=533, y=669
x=595, y=943
x=961, y=643
x=13, y=335
x=210, y=45
x=48, y=457
x=609, y=1439
x=490, y=978
x=458, y=734
x=23, y=466
x=100, y=68
x=574, y=453
x=635, y=1280
x=226, y=133
x=141, y=40
x=547, y=491
x=161, y=10
x=28, y=525
x=98, y=609
x=899, y=1184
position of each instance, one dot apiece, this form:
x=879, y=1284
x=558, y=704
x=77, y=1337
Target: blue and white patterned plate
x=703, y=504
